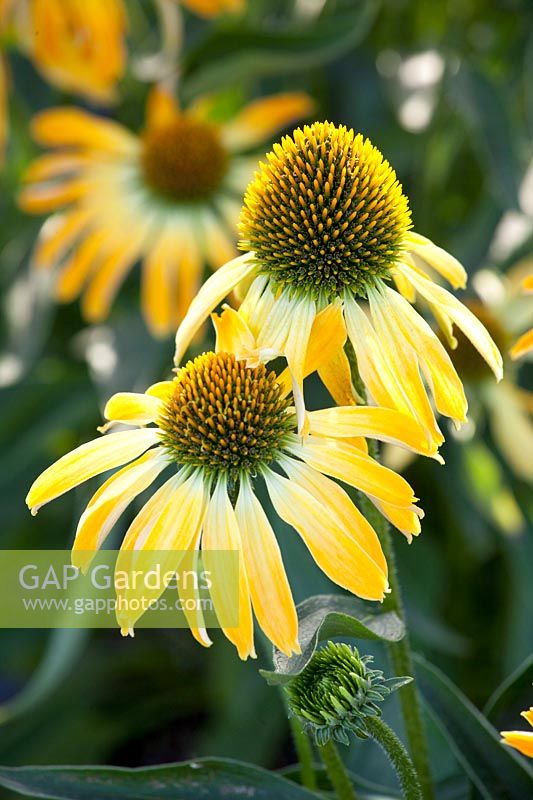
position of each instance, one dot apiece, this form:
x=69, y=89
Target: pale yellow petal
x=88, y=460
x=41, y=198
x=132, y=408
x=511, y=426
x=337, y=554
x=222, y=533
x=213, y=291
x=441, y=261
x=269, y=587
x=109, y=502
x=56, y=236
x=472, y=328
x=384, y=424
x=340, y=506
x=341, y=460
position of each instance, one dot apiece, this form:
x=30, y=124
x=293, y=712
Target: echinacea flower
x=78, y=46
x=222, y=427
x=520, y=740
x=325, y=221
x=168, y=198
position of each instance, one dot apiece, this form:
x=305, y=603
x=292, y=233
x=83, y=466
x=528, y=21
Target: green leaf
x=507, y=694
x=497, y=772
x=209, y=778
x=325, y=616
x=242, y=49
x=366, y=790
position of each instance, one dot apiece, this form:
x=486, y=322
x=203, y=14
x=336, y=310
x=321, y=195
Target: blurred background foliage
x=445, y=90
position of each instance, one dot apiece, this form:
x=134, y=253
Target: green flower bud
x=337, y=692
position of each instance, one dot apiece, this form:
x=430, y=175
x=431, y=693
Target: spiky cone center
x=225, y=417
x=468, y=362
x=335, y=692
x=325, y=212
x=184, y=160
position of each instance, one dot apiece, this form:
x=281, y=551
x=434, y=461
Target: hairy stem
x=337, y=772
x=397, y=755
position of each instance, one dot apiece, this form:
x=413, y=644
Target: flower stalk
x=397, y=755
x=336, y=771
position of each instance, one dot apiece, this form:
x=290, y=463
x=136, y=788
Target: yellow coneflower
x=78, y=46
x=222, y=427
x=520, y=740
x=524, y=345
x=168, y=198
x=325, y=220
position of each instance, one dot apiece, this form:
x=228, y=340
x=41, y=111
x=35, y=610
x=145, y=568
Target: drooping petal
x=295, y=351
x=394, y=317
x=391, y=384
x=346, y=514
x=269, y=587
x=164, y=536
x=384, y=424
x=88, y=460
x=341, y=460
x=213, y=291
x=337, y=554
x=132, y=408
x=261, y=118
x=161, y=108
x=472, y=328
x=406, y=520
x=222, y=533
x=81, y=264
x=511, y=427
x=41, y=198
x=109, y=502
x=441, y=261
x=158, y=279
x=519, y=740
x=52, y=165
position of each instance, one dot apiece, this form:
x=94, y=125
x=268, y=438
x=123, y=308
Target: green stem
x=304, y=751
x=337, y=772
x=398, y=756
x=399, y=652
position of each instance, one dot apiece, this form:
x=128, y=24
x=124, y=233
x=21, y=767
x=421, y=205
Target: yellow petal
x=41, y=198
x=519, y=740
x=75, y=272
x=72, y=127
x=337, y=554
x=262, y=118
x=349, y=464
x=472, y=328
x=161, y=108
x=407, y=520
x=56, y=236
x=109, y=276
x=213, y=291
x=523, y=346
x=159, y=271
x=441, y=261
x=221, y=532
x=511, y=427
x=295, y=350
x=269, y=588
x=232, y=333
x=88, y=460
x=167, y=532
x=392, y=383
x=396, y=319
x=219, y=246
x=384, y=424
x=528, y=714
x=340, y=506
x=109, y=502
x=161, y=389
x=132, y=408
x=189, y=594
x=52, y=165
